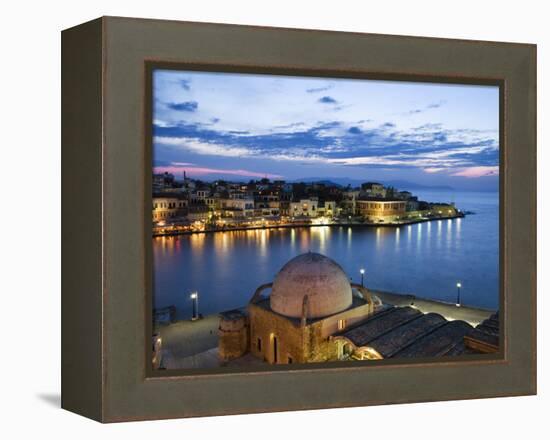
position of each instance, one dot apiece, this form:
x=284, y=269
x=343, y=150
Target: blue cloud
x=327, y=100
x=286, y=126
x=325, y=141
x=188, y=106
x=440, y=137
x=318, y=89
x=427, y=127
x=428, y=107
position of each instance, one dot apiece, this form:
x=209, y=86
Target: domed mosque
x=310, y=284
x=314, y=313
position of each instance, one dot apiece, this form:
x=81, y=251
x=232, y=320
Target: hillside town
x=192, y=205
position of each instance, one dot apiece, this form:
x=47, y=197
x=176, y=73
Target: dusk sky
x=240, y=127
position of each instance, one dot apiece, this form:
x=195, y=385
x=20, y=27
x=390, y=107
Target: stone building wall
x=301, y=344
x=329, y=325
x=233, y=337
x=267, y=327
x=321, y=349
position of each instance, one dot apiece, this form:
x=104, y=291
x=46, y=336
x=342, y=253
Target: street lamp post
x=195, y=298
x=362, y=272
x=458, y=286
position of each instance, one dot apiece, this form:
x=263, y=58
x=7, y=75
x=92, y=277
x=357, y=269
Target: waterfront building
x=274, y=208
x=162, y=181
x=267, y=204
x=198, y=213
x=313, y=313
x=200, y=194
x=267, y=196
x=443, y=209
x=240, y=194
x=349, y=202
x=236, y=207
x=327, y=208
x=211, y=202
x=267, y=209
x=373, y=189
x=168, y=207
x=284, y=208
x=381, y=210
x=304, y=208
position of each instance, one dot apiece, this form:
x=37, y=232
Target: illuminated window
x=341, y=324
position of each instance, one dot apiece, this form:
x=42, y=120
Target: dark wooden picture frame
x=106, y=253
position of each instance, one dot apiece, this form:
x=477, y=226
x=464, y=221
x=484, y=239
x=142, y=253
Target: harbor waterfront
x=424, y=259
x=279, y=224
x=190, y=206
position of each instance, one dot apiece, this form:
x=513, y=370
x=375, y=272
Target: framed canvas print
x=306, y=219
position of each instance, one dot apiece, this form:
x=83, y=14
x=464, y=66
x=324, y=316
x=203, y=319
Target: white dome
x=323, y=281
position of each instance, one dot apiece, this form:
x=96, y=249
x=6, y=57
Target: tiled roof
x=379, y=324
x=404, y=335
x=405, y=332
x=437, y=343
x=486, y=336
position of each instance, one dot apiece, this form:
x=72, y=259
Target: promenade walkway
x=182, y=340
x=449, y=311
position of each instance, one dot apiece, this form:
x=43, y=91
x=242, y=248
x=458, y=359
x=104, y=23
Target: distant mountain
x=399, y=184
x=322, y=180
x=405, y=185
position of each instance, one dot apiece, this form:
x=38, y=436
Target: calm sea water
x=426, y=259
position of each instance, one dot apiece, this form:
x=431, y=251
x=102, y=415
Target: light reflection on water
x=426, y=259
x=397, y=233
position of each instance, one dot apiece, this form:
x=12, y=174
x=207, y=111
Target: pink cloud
x=434, y=170
x=194, y=171
x=474, y=172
